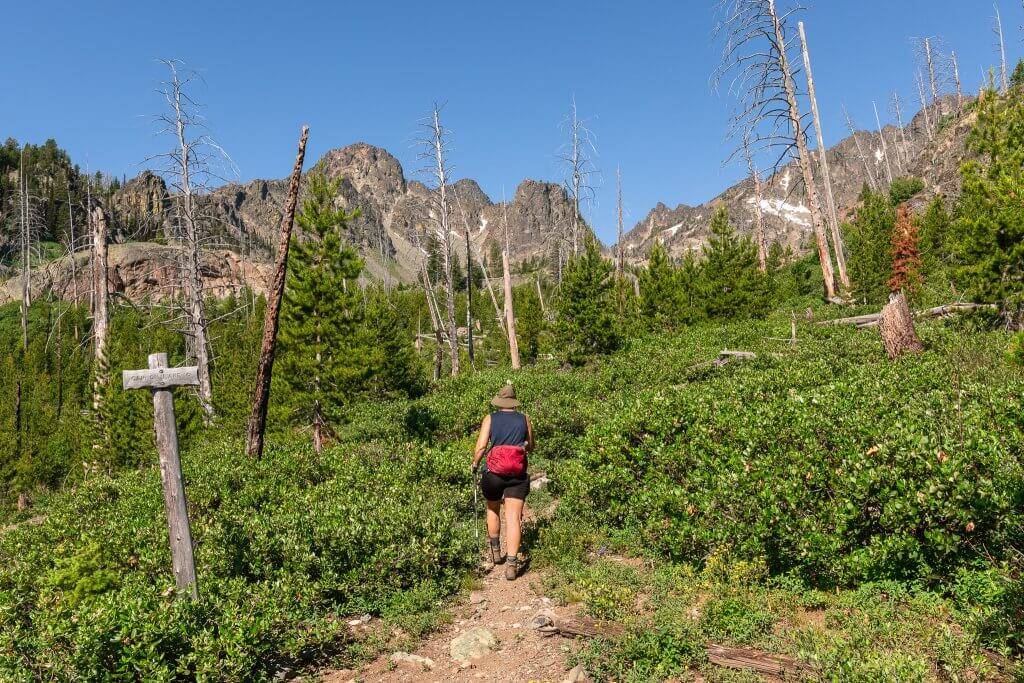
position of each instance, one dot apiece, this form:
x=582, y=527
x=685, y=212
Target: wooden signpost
x=161, y=380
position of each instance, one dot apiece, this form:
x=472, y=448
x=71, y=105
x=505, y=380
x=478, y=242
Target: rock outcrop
x=143, y=272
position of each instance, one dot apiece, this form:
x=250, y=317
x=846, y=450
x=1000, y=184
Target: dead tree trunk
x=799, y=134
x=440, y=172
x=931, y=71
x=101, y=317
x=540, y=295
x=618, y=246
x=469, y=301
x=959, y=88
x=271, y=320
x=498, y=314
x=885, y=147
x=195, y=305
x=860, y=151
x=435, y=321
x=826, y=174
x=923, y=98
x=510, y=316
x=483, y=266
x=72, y=249
x=26, y=251
x=759, y=232
x=899, y=335
x=898, y=110
x=1003, y=75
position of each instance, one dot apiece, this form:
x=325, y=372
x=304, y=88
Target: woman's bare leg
x=513, y=525
x=493, y=518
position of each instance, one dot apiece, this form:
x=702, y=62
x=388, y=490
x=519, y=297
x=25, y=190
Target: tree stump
x=897, y=327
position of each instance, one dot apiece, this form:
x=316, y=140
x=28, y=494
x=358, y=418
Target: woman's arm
x=481, y=441
x=529, y=435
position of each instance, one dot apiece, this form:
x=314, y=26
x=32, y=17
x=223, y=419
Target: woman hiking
x=506, y=436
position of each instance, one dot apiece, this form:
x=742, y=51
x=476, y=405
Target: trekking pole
x=476, y=506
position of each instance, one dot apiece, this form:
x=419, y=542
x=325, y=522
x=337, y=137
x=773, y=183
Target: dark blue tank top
x=508, y=428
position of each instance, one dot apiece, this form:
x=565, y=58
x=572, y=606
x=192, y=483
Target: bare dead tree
x=101, y=318
x=759, y=232
x=997, y=29
x=577, y=157
x=860, y=150
x=25, y=225
x=469, y=299
x=826, y=173
x=922, y=98
x=435, y=317
x=72, y=246
x=618, y=245
x=190, y=166
x=435, y=152
x=904, y=146
x=510, y=316
x=756, y=61
x=483, y=266
x=885, y=147
x=956, y=78
x=275, y=293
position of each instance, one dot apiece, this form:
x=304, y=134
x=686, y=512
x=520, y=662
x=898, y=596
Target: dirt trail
x=503, y=607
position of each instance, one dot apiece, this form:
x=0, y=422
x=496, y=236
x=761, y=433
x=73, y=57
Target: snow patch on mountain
x=794, y=213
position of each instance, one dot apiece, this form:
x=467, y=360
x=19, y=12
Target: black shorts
x=496, y=487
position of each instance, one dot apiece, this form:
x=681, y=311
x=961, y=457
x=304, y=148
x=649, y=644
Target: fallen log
x=724, y=358
x=549, y=624
x=872, y=319
x=773, y=667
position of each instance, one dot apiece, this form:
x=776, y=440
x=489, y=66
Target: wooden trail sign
x=161, y=380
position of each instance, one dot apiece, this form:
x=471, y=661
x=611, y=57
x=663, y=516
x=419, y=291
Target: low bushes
x=830, y=462
x=286, y=549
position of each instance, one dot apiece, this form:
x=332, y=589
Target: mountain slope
x=787, y=218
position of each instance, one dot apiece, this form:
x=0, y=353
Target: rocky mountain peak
x=372, y=171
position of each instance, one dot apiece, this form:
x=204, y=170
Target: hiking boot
x=512, y=568
x=497, y=557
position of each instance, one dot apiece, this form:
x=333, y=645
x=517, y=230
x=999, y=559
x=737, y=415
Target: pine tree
x=736, y=288
x=385, y=346
x=321, y=314
x=935, y=230
x=659, y=291
x=529, y=321
x=586, y=326
x=990, y=226
x=691, y=286
x=870, y=247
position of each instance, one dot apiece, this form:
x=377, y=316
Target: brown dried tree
x=906, y=253
x=275, y=293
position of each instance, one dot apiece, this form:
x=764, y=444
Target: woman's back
x=508, y=428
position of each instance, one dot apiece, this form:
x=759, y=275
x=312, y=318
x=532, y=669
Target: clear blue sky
x=85, y=73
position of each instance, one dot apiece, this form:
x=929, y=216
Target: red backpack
x=507, y=461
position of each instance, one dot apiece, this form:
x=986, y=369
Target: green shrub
x=832, y=462
x=286, y=548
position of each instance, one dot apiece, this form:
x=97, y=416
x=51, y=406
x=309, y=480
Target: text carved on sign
x=160, y=378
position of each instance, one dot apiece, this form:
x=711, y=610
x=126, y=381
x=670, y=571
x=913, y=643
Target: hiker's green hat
x=506, y=398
